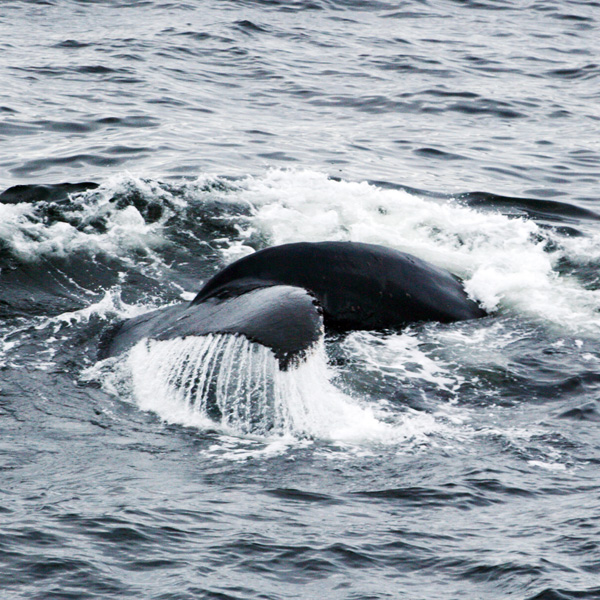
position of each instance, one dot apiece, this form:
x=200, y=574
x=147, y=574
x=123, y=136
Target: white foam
x=228, y=383
x=401, y=356
x=110, y=306
x=23, y=229
x=5, y=350
x=503, y=260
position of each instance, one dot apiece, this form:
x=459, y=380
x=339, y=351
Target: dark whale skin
x=359, y=286
x=282, y=297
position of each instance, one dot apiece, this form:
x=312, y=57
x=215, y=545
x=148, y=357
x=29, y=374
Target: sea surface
x=146, y=144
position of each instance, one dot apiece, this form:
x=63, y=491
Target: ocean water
x=144, y=145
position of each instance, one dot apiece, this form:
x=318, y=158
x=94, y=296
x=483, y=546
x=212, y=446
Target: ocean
x=146, y=144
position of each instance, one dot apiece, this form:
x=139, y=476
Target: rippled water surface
x=144, y=145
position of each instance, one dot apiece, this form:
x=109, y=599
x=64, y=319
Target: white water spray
x=228, y=381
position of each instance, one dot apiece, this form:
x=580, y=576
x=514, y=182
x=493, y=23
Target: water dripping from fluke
x=238, y=385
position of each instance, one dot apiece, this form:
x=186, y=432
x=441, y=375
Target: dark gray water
x=143, y=145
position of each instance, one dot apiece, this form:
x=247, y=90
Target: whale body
x=284, y=297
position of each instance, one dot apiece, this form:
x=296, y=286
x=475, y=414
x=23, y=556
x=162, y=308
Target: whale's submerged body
x=284, y=296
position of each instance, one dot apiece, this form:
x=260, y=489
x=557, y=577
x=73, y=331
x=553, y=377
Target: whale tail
x=286, y=319
x=281, y=296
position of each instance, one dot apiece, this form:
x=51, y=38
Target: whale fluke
x=285, y=319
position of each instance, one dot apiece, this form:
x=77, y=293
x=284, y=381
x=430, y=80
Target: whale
x=286, y=297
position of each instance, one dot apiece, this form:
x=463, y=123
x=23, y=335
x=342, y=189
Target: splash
x=113, y=218
x=110, y=306
x=126, y=217
x=230, y=382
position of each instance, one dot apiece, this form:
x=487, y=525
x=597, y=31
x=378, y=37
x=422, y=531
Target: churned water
x=144, y=145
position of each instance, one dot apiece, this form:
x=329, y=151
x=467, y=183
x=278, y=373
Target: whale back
x=359, y=286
